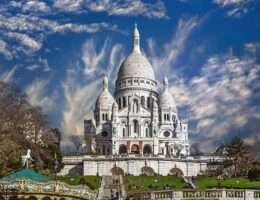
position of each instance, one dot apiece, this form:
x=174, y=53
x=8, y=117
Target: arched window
x=168, y=117
x=135, y=106
x=148, y=102
x=147, y=149
x=135, y=123
x=124, y=102
x=104, y=149
x=143, y=101
x=123, y=130
x=146, y=131
x=104, y=134
x=119, y=103
x=122, y=149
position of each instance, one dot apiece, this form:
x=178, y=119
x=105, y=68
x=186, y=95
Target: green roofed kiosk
x=28, y=174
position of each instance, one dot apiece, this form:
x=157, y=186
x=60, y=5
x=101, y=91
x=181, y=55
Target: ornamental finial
x=136, y=39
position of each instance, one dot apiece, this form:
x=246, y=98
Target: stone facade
x=138, y=119
x=137, y=130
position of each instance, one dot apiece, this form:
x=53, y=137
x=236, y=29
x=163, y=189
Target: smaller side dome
x=166, y=100
x=105, y=100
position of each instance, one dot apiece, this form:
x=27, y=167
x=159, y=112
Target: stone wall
x=134, y=166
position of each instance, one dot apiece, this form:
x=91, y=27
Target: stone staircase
x=112, y=188
x=189, y=182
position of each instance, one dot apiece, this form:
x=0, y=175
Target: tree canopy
x=22, y=127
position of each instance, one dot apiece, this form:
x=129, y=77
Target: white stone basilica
x=138, y=119
x=136, y=131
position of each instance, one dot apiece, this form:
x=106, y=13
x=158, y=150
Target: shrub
x=253, y=174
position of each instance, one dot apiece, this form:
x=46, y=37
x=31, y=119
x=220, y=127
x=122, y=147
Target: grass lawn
x=135, y=184
x=211, y=182
x=92, y=181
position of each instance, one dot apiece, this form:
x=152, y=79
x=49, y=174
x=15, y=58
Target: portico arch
x=46, y=198
x=32, y=198
x=122, y=149
x=147, y=149
x=135, y=149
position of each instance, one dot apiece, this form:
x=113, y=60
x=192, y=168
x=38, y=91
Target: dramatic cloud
x=80, y=96
x=115, y=7
x=219, y=98
x=25, y=31
x=217, y=101
x=169, y=54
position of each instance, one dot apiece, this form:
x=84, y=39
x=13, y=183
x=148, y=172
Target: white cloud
x=36, y=6
x=236, y=8
x=37, y=96
x=8, y=75
x=30, y=44
x=69, y=5
x=115, y=7
x=91, y=58
x=40, y=64
x=4, y=50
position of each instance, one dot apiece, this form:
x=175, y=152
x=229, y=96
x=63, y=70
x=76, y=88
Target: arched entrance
x=147, y=149
x=117, y=171
x=122, y=149
x=135, y=149
x=148, y=171
x=32, y=198
x=176, y=172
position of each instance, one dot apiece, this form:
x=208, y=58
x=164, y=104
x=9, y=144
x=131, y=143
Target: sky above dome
x=57, y=51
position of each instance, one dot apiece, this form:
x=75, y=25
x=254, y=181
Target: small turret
x=115, y=112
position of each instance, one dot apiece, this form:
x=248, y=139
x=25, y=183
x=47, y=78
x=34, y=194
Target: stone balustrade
x=212, y=194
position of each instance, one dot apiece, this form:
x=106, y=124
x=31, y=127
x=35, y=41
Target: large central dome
x=136, y=64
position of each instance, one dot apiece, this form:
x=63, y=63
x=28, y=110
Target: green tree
x=22, y=127
x=237, y=153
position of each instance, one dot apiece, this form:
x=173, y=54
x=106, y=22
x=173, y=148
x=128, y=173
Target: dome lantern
x=105, y=83
x=136, y=64
x=136, y=40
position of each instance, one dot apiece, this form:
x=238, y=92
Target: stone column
x=141, y=147
x=128, y=147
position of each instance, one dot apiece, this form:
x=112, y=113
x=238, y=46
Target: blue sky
x=58, y=50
